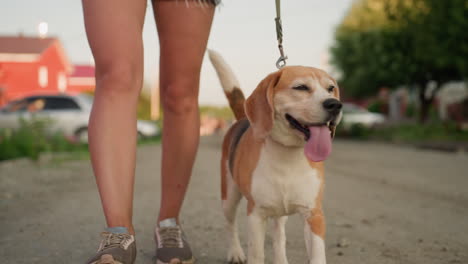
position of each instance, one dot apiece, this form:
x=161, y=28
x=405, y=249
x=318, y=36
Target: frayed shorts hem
x=212, y=2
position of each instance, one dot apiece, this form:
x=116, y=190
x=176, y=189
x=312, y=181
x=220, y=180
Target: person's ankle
x=121, y=229
x=169, y=222
x=117, y=230
x=165, y=217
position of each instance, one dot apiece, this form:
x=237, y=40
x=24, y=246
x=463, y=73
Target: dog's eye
x=301, y=87
x=331, y=88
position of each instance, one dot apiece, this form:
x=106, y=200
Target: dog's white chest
x=284, y=183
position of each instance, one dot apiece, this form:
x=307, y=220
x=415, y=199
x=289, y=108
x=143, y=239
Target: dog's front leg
x=279, y=241
x=256, y=254
x=314, y=233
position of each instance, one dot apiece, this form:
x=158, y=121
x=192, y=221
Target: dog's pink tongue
x=318, y=147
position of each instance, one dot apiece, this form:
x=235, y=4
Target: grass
x=150, y=140
x=433, y=132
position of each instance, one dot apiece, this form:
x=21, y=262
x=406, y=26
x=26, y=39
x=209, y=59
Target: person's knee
x=118, y=79
x=180, y=97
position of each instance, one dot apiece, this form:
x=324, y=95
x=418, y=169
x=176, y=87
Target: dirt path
x=386, y=204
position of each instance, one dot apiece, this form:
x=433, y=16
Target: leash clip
x=281, y=62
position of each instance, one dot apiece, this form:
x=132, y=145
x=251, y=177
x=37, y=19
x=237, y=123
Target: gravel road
x=383, y=203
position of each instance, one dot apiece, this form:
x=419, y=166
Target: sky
x=243, y=32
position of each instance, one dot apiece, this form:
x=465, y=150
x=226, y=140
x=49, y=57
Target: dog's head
x=294, y=106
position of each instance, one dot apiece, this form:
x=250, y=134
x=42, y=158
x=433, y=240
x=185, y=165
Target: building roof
x=21, y=44
x=83, y=71
x=29, y=49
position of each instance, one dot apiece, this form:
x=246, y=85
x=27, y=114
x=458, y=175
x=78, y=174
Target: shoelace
x=113, y=240
x=170, y=237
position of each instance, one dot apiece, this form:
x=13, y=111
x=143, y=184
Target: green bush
x=429, y=132
x=223, y=112
x=31, y=139
x=375, y=107
x=411, y=110
x=144, y=107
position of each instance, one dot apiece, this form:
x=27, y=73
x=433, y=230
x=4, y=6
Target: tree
x=402, y=42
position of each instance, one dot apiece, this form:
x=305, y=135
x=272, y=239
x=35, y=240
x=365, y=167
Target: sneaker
x=171, y=244
x=115, y=249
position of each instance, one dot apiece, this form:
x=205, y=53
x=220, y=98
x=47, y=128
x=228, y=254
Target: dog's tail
x=229, y=83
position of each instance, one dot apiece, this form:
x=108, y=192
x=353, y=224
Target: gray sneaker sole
x=107, y=259
x=177, y=261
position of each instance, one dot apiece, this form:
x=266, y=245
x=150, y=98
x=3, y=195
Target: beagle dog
x=273, y=157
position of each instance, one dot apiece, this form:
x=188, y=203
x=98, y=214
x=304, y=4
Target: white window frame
x=43, y=76
x=61, y=82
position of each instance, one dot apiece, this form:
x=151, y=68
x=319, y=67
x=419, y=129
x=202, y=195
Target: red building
x=31, y=65
x=82, y=79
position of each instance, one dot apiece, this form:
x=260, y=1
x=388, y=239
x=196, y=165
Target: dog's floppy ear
x=259, y=106
x=336, y=92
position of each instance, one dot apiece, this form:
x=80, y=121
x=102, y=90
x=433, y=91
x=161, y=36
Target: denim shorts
x=213, y=2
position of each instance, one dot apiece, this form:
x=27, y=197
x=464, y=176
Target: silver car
x=66, y=113
x=354, y=114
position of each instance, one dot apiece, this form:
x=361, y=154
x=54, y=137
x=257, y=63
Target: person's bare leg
x=114, y=30
x=183, y=34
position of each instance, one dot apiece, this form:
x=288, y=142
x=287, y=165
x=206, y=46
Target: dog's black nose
x=332, y=106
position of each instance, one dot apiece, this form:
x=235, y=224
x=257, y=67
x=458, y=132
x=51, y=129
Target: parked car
x=354, y=114
x=66, y=113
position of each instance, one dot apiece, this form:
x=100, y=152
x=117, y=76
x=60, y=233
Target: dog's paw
x=236, y=256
